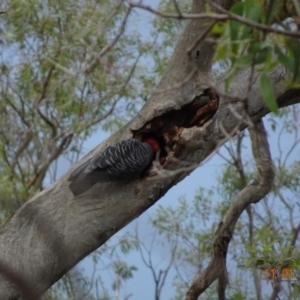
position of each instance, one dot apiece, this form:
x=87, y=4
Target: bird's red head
x=153, y=143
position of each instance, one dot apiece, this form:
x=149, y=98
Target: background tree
x=59, y=80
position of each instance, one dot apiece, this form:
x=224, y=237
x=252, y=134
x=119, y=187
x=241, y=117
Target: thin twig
x=218, y=17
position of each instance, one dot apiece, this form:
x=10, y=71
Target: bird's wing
x=109, y=157
x=75, y=174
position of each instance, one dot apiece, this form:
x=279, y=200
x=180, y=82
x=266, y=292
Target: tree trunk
x=53, y=231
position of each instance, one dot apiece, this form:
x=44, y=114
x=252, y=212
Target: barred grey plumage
x=125, y=160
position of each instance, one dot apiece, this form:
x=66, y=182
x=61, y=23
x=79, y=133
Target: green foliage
x=58, y=84
x=272, y=11
x=267, y=92
x=123, y=271
x=243, y=45
x=289, y=177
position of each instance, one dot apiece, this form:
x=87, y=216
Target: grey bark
x=53, y=231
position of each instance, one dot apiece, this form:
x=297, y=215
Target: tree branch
x=217, y=17
x=253, y=193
